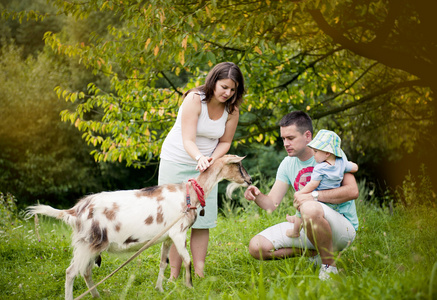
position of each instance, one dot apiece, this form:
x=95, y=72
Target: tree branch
x=349, y=86
x=223, y=47
x=369, y=97
x=310, y=65
x=171, y=83
x=394, y=9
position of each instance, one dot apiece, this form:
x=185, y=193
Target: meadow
x=393, y=257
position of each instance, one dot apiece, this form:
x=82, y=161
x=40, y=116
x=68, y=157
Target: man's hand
x=300, y=198
x=297, y=194
x=251, y=193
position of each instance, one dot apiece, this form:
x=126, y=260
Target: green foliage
x=25, y=24
x=289, y=51
x=361, y=68
x=393, y=256
x=39, y=158
x=417, y=191
x=8, y=210
x=42, y=158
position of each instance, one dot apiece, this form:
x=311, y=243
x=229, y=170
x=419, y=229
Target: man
x=325, y=230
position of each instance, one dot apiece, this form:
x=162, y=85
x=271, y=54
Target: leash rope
x=199, y=191
x=200, y=194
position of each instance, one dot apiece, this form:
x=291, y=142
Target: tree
x=28, y=32
x=41, y=158
x=362, y=68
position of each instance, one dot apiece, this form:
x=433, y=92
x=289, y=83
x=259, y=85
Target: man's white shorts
x=343, y=233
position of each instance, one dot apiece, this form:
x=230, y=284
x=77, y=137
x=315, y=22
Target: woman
x=203, y=132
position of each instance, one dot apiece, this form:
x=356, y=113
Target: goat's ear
x=232, y=159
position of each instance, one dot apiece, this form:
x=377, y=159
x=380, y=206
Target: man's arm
x=347, y=191
x=268, y=202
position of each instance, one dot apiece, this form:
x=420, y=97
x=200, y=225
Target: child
x=327, y=174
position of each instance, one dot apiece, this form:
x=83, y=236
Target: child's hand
x=300, y=198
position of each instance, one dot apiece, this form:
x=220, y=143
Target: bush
x=416, y=191
x=8, y=210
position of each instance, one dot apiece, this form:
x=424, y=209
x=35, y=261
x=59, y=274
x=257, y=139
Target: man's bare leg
x=318, y=230
x=262, y=249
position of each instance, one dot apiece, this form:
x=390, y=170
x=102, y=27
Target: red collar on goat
x=199, y=192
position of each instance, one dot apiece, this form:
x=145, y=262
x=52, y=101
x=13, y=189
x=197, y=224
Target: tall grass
x=393, y=257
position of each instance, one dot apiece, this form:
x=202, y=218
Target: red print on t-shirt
x=302, y=178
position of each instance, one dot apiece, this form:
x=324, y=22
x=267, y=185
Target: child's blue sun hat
x=327, y=141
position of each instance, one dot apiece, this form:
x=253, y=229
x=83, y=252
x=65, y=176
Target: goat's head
x=233, y=170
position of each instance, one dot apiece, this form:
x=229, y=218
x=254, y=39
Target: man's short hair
x=300, y=119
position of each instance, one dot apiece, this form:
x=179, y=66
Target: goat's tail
x=47, y=211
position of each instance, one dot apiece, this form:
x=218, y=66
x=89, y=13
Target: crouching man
x=325, y=230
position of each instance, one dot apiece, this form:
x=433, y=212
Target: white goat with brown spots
x=122, y=221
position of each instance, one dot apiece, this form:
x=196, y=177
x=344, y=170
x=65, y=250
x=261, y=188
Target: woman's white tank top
x=207, y=136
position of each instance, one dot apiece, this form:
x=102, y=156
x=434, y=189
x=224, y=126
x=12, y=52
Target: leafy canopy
x=361, y=68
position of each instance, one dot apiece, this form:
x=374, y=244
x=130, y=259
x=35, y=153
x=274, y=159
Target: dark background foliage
x=362, y=68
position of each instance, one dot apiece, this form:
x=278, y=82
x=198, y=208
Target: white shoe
x=326, y=270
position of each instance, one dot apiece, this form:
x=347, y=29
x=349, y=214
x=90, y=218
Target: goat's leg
x=89, y=280
x=81, y=263
x=165, y=249
x=179, y=242
x=70, y=274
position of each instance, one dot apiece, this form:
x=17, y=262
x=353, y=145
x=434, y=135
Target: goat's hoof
x=159, y=288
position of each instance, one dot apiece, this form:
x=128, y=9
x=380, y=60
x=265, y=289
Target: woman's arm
x=189, y=118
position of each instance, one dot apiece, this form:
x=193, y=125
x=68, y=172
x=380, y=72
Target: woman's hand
x=204, y=162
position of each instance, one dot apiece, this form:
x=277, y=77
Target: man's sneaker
x=326, y=270
x=315, y=260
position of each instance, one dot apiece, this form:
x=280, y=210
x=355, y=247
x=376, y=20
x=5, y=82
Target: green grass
x=393, y=257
